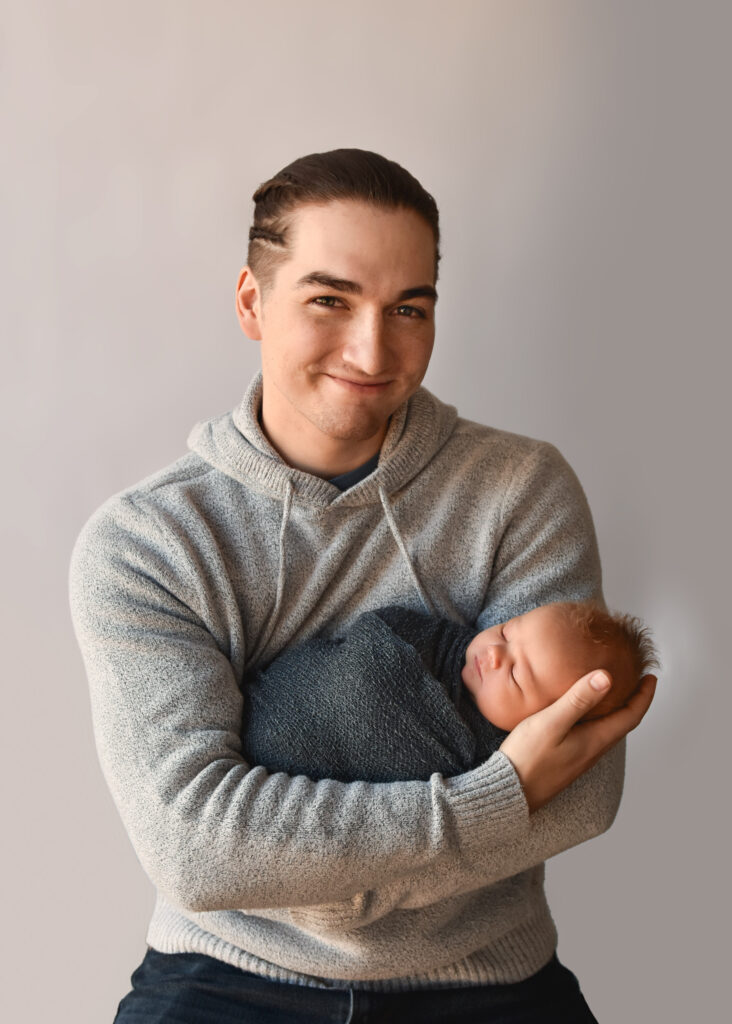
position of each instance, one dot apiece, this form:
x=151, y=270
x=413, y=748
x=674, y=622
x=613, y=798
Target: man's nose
x=364, y=347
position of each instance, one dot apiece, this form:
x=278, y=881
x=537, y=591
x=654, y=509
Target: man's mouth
x=362, y=386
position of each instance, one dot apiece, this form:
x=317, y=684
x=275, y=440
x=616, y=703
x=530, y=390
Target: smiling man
x=338, y=485
x=346, y=339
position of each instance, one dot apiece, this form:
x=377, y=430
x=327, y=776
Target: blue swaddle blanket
x=383, y=702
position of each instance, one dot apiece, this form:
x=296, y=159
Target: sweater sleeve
x=548, y=552
x=212, y=831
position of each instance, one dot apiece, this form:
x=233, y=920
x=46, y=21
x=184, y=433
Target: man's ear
x=249, y=304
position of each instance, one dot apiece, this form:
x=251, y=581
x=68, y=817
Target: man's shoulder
x=483, y=435
x=161, y=486
x=478, y=448
x=143, y=512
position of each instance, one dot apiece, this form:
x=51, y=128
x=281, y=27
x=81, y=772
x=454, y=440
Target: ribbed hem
x=509, y=958
x=488, y=803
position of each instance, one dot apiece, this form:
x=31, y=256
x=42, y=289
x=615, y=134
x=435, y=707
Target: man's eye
x=325, y=300
x=413, y=312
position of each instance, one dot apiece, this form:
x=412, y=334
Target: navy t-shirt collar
x=354, y=476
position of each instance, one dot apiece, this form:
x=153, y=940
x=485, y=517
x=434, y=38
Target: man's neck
x=331, y=464
x=314, y=452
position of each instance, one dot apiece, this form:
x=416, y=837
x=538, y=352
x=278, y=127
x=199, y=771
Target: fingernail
x=599, y=681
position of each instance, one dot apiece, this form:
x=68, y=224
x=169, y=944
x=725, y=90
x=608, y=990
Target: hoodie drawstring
x=281, y=570
x=429, y=607
x=282, y=566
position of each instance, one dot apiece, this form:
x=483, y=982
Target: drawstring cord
x=281, y=571
x=264, y=638
x=430, y=608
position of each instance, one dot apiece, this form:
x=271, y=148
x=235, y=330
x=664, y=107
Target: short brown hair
x=618, y=633
x=323, y=178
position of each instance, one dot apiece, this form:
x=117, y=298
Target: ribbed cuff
x=488, y=803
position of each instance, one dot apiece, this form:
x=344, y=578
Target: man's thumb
x=582, y=696
x=600, y=681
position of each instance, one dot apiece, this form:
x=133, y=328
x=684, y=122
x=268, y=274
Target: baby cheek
x=538, y=701
x=511, y=711
x=531, y=700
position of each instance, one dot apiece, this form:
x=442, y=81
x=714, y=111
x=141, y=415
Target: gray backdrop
x=580, y=156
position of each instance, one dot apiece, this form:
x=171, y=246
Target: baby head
x=518, y=667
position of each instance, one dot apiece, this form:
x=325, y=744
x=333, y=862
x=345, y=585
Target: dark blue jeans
x=190, y=988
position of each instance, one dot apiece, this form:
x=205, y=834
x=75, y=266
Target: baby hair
x=615, y=633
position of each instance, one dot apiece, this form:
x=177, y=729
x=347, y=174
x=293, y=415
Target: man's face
x=347, y=329
x=516, y=668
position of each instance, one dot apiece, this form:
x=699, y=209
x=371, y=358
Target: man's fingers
x=580, y=698
x=631, y=714
x=611, y=728
x=549, y=749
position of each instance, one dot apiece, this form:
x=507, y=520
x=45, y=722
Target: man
x=336, y=486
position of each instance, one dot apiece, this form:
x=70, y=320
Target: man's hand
x=549, y=750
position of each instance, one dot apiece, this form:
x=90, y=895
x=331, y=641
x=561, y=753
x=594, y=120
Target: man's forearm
x=582, y=811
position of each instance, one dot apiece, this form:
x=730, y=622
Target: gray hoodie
x=216, y=563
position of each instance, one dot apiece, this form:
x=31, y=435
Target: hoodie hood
x=236, y=445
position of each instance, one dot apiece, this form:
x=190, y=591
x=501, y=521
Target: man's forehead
x=354, y=241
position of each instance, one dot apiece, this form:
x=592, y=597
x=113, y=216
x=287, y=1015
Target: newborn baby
x=519, y=667
x=401, y=695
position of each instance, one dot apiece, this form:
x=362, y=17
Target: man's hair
x=616, y=634
x=323, y=178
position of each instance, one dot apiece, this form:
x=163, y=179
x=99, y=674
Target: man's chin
x=354, y=423
x=355, y=432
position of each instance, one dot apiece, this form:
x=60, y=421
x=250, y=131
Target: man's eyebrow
x=425, y=291
x=338, y=284
x=342, y=284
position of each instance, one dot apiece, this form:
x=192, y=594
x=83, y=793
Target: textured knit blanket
x=383, y=702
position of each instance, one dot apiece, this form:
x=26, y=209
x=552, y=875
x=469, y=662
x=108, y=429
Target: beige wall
x=577, y=152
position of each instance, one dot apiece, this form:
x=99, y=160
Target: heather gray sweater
x=181, y=584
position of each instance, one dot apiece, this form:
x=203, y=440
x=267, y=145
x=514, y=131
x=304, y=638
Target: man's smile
x=358, y=386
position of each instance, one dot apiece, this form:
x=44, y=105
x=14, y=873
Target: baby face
x=516, y=668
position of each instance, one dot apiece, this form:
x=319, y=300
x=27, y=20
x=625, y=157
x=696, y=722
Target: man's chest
x=290, y=574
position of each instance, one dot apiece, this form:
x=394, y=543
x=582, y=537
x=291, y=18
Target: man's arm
x=541, y=840
x=211, y=831
x=548, y=552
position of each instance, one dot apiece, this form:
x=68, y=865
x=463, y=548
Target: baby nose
x=495, y=655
